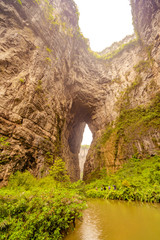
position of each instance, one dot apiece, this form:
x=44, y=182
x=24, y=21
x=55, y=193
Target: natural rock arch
x=50, y=84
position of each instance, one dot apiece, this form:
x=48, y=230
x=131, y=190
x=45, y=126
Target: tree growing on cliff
x=58, y=171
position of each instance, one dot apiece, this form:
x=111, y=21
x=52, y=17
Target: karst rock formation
x=52, y=84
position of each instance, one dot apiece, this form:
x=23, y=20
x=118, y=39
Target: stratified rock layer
x=51, y=85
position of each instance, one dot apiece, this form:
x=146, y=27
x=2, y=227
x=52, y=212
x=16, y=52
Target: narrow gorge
x=52, y=85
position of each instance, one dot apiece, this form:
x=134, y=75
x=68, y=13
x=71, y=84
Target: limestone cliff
x=82, y=158
x=51, y=85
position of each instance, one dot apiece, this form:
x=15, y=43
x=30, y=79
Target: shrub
x=36, y=209
x=20, y=179
x=58, y=171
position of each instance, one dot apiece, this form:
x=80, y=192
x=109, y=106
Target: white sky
x=104, y=21
x=87, y=136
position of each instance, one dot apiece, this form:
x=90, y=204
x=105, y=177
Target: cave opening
x=85, y=145
x=79, y=129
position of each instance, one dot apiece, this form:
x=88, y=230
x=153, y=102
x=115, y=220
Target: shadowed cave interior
x=81, y=116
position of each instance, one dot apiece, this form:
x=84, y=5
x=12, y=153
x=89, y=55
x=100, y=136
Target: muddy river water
x=116, y=220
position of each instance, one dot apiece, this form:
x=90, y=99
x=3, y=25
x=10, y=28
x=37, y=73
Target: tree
x=58, y=171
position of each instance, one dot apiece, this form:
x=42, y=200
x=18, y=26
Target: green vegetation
x=142, y=66
x=39, y=86
x=58, y=171
x=21, y=80
x=114, y=53
x=4, y=145
x=19, y=1
x=149, y=49
x=85, y=146
x=124, y=100
x=48, y=50
x=48, y=59
x=140, y=118
x=80, y=35
x=49, y=158
x=3, y=142
x=37, y=209
x=145, y=65
x=37, y=1
x=106, y=135
x=53, y=18
x=47, y=208
x=121, y=48
x=117, y=80
x=137, y=180
x=132, y=3
x=131, y=126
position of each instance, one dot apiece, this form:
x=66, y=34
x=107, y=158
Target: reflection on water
x=116, y=220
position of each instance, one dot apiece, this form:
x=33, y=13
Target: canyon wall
x=82, y=158
x=51, y=85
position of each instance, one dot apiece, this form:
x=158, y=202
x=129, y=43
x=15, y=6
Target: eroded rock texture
x=51, y=85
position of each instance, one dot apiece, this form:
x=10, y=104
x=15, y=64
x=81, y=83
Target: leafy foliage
x=58, y=171
x=137, y=180
x=36, y=209
x=4, y=145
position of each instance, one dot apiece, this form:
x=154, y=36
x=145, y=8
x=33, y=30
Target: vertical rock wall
x=82, y=158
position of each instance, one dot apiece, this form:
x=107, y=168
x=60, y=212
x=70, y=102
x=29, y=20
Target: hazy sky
x=87, y=136
x=103, y=22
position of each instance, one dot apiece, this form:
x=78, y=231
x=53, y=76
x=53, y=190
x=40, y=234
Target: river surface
x=116, y=220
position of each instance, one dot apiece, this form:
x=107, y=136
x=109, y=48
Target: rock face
x=82, y=158
x=51, y=85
